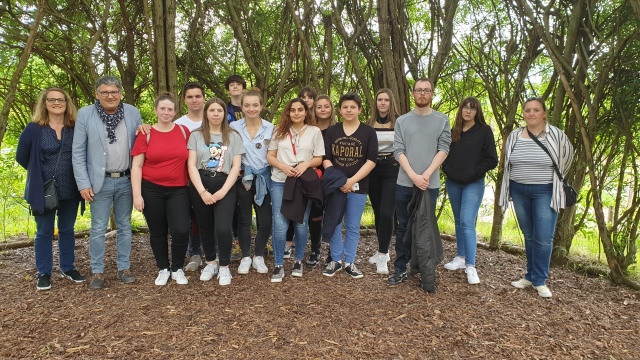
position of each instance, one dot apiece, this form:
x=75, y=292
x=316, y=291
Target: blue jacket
x=335, y=200
x=29, y=156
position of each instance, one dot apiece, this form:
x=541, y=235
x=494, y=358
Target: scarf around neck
x=110, y=120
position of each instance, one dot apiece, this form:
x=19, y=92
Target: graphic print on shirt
x=346, y=151
x=217, y=151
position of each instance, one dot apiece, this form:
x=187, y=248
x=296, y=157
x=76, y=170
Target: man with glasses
x=421, y=144
x=104, y=136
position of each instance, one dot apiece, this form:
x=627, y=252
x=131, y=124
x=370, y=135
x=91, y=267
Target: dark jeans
x=403, y=197
x=166, y=209
x=215, y=220
x=195, y=244
x=245, y=212
x=382, y=193
x=45, y=225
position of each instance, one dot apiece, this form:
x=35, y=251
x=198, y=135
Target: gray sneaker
x=97, y=282
x=194, y=263
x=278, y=274
x=126, y=277
x=297, y=269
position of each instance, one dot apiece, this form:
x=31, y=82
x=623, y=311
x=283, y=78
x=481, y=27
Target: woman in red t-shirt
x=159, y=183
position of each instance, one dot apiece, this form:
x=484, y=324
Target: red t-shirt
x=166, y=156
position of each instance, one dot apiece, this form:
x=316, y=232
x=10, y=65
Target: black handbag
x=571, y=196
x=50, y=192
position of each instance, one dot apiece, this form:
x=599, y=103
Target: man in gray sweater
x=421, y=144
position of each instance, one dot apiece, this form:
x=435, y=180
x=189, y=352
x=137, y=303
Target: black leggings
x=215, y=220
x=382, y=193
x=245, y=212
x=166, y=208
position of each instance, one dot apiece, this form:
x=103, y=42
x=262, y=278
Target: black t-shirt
x=350, y=152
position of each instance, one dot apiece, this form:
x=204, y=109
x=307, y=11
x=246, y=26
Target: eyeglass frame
x=56, y=100
x=108, y=93
x=423, y=91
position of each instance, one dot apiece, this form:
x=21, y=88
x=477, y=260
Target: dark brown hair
x=285, y=123
x=473, y=103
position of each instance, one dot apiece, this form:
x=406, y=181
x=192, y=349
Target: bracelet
x=203, y=191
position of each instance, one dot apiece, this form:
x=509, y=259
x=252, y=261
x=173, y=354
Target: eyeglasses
x=469, y=109
x=56, y=100
x=423, y=91
x=107, y=93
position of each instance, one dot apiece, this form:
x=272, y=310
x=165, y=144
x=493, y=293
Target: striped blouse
x=529, y=163
x=561, y=150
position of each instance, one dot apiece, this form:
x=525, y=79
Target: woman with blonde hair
x=44, y=150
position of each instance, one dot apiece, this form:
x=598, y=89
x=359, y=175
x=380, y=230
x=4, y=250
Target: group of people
x=307, y=175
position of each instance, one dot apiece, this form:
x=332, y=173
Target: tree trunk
x=17, y=74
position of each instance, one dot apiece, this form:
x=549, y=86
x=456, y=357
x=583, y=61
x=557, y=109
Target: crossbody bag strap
x=555, y=166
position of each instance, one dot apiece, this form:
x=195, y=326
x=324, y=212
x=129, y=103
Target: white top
x=190, y=124
x=308, y=145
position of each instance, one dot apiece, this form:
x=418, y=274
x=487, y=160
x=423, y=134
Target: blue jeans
x=281, y=225
x=115, y=192
x=67, y=213
x=537, y=220
x=352, y=216
x=403, y=197
x=465, y=202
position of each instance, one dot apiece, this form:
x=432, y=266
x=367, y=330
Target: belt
x=211, y=173
x=386, y=157
x=118, y=174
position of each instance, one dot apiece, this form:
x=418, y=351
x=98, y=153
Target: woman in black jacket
x=471, y=155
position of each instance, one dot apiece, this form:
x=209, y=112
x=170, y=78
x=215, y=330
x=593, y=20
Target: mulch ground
x=314, y=316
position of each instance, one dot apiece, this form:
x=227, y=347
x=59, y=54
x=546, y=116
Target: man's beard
x=422, y=103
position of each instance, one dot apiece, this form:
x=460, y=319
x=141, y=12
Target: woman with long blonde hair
x=44, y=150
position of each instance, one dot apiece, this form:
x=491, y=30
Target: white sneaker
x=178, y=276
x=472, y=275
x=224, y=277
x=543, y=291
x=163, y=277
x=455, y=264
x=194, y=263
x=259, y=265
x=209, y=271
x=521, y=284
x=245, y=265
x=374, y=259
x=381, y=265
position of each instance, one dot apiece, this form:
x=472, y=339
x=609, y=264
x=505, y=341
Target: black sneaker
x=44, y=282
x=314, y=258
x=332, y=268
x=353, y=271
x=397, y=278
x=278, y=274
x=288, y=249
x=328, y=260
x=73, y=275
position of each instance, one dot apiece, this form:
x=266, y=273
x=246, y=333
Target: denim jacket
x=263, y=181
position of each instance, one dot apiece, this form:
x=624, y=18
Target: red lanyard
x=293, y=146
